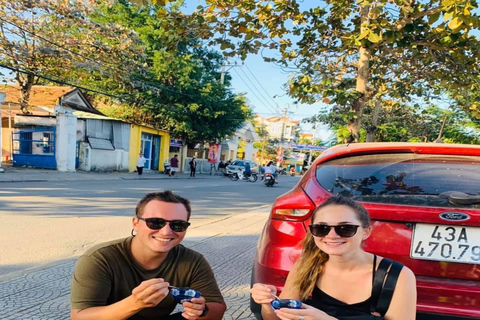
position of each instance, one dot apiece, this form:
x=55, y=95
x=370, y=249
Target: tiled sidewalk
x=227, y=243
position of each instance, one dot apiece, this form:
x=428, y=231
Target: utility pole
x=284, y=118
x=224, y=65
x=3, y=97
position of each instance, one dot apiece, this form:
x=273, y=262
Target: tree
x=182, y=92
x=405, y=122
x=52, y=39
x=354, y=51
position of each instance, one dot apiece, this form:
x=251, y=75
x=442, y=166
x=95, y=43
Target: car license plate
x=446, y=243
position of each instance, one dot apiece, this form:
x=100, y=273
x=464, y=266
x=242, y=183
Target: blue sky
x=263, y=85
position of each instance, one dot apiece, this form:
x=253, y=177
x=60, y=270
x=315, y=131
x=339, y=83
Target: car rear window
x=413, y=179
x=238, y=163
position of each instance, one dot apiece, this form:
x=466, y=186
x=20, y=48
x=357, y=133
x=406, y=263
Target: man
x=248, y=170
x=130, y=278
x=174, y=165
x=221, y=166
x=193, y=167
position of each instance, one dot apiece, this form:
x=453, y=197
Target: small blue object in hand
x=286, y=303
x=182, y=295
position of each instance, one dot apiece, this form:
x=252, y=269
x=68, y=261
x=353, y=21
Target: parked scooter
x=166, y=168
x=269, y=180
x=239, y=175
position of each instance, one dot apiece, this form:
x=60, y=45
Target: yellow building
x=153, y=143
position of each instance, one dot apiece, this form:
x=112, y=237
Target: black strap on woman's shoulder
x=382, y=290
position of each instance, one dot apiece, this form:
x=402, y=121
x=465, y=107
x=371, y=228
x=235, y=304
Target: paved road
x=53, y=221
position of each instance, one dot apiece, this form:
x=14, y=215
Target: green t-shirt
x=107, y=273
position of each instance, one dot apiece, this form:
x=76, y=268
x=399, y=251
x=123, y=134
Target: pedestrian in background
x=221, y=166
x=193, y=167
x=132, y=277
x=174, y=166
x=140, y=163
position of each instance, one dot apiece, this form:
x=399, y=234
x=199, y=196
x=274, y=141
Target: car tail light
x=293, y=206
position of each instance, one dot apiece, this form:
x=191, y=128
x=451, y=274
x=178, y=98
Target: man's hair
x=165, y=196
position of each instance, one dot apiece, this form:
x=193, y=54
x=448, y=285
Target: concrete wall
x=6, y=140
x=66, y=139
x=102, y=160
x=135, y=145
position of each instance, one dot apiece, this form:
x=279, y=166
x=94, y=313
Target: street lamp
x=3, y=97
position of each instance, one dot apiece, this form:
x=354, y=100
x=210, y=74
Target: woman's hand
x=305, y=313
x=262, y=293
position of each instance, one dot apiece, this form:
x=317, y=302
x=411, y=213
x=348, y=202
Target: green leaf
x=375, y=12
x=455, y=23
x=364, y=34
x=374, y=38
x=447, y=16
x=434, y=17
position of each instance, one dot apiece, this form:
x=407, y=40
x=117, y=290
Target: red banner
x=280, y=155
x=213, y=153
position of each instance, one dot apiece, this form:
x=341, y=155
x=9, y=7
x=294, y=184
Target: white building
x=279, y=127
x=248, y=136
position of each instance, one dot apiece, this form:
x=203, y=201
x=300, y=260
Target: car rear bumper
x=452, y=297
x=431, y=316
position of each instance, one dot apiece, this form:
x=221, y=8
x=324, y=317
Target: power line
x=261, y=86
x=261, y=94
x=46, y=40
x=123, y=99
x=253, y=92
x=157, y=86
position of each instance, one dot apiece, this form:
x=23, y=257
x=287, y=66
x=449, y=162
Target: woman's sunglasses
x=343, y=230
x=159, y=223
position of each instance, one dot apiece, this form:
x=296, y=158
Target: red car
x=424, y=202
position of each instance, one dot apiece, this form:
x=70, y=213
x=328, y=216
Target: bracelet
x=205, y=311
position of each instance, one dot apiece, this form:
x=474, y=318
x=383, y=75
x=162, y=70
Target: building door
x=155, y=152
x=146, y=145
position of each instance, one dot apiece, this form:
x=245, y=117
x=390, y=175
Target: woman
x=336, y=272
x=270, y=168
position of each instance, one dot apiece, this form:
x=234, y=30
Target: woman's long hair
x=312, y=260
x=309, y=267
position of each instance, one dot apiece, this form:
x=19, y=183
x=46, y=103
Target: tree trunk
x=25, y=89
x=373, y=128
x=362, y=81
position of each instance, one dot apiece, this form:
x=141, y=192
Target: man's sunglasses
x=159, y=223
x=343, y=230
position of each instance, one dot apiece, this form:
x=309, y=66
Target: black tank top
x=336, y=308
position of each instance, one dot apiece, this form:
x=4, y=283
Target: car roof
x=398, y=147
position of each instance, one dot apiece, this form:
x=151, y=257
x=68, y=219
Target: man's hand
x=149, y=293
x=193, y=309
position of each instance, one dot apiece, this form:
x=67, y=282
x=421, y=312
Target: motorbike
x=239, y=175
x=282, y=171
x=269, y=180
x=166, y=169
